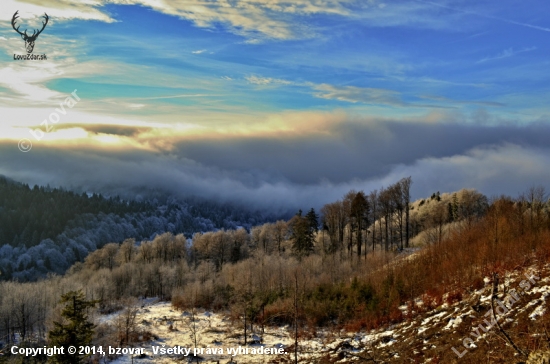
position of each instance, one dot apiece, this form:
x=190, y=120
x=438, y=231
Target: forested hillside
x=30, y=215
x=46, y=229
x=367, y=262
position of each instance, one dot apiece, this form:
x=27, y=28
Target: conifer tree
x=303, y=232
x=455, y=207
x=313, y=220
x=74, y=329
x=359, y=217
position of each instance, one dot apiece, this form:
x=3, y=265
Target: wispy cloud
x=63, y=10
x=263, y=81
x=256, y=20
x=368, y=95
x=26, y=83
x=199, y=51
x=354, y=94
x=487, y=16
x=463, y=102
x=173, y=96
x=510, y=52
x=253, y=19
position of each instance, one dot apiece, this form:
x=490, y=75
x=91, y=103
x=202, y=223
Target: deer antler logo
x=29, y=40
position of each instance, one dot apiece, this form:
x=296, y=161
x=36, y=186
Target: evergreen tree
x=303, y=232
x=359, y=218
x=74, y=330
x=455, y=207
x=313, y=220
x=450, y=214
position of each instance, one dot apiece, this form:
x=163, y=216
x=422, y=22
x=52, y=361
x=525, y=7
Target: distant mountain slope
x=30, y=215
x=46, y=230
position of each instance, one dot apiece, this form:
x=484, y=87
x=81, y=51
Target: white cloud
x=199, y=51
x=253, y=41
x=256, y=20
x=136, y=106
x=354, y=94
x=257, y=80
x=64, y=9
x=506, y=169
x=25, y=82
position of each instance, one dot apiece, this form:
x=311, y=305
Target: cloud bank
x=310, y=168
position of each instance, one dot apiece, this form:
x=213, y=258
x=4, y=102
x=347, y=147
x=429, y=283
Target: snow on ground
x=424, y=334
x=214, y=332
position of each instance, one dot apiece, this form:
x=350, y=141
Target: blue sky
x=300, y=100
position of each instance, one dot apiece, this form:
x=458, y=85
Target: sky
x=274, y=103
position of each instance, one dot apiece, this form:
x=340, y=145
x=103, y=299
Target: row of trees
x=382, y=217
